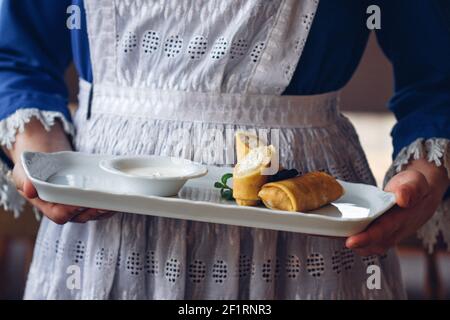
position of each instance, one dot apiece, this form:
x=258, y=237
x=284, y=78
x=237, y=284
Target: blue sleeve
x=415, y=36
x=35, y=50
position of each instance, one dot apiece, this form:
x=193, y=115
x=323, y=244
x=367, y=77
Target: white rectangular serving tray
x=75, y=178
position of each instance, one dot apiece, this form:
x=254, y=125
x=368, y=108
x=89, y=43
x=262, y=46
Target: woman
x=223, y=66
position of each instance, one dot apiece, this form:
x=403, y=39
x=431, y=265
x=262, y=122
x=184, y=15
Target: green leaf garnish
x=226, y=194
x=225, y=191
x=225, y=178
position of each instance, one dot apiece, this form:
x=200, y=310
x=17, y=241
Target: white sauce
x=254, y=160
x=155, y=172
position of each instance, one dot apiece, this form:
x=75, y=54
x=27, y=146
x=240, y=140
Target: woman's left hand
x=418, y=190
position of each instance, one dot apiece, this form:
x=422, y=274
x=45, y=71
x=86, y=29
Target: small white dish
x=153, y=175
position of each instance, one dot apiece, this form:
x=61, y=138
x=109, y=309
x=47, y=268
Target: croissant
x=304, y=193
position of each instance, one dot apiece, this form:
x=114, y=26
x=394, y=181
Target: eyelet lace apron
x=177, y=78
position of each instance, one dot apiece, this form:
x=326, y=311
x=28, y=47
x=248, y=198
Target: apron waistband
x=240, y=109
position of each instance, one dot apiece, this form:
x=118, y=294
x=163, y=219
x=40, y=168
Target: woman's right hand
x=58, y=213
x=36, y=138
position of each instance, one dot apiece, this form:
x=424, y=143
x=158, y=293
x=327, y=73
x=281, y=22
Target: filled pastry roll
x=304, y=193
x=245, y=141
x=247, y=175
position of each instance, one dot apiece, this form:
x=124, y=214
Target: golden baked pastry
x=304, y=193
x=245, y=141
x=247, y=177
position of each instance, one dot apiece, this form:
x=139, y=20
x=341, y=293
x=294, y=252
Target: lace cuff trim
x=10, y=199
x=435, y=150
x=16, y=122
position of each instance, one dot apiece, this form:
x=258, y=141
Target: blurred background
x=364, y=101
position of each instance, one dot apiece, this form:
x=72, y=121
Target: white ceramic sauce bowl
x=153, y=175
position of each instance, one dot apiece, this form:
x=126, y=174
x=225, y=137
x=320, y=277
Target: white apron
x=166, y=75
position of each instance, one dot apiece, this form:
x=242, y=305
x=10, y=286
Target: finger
x=381, y=231
x=58, y=213
x=90, y=214
x=409, y=186
x=371, y=236
x=62, y=214
x=22, y=182
x=45, y=206
x=409, y=194
x=370, y=251
x=105, y=215
x=29, y=190
x=18, y=176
